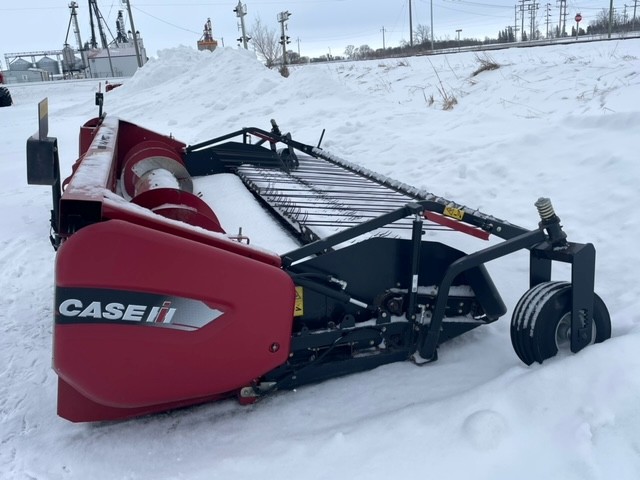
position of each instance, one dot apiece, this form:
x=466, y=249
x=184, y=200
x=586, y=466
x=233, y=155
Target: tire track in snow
x=25, y=343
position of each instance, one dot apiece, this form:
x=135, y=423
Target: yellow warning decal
x=298, y=309
x=453, y=213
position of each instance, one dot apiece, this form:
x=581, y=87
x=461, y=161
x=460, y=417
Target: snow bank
x=551, y=121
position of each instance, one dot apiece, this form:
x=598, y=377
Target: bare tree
x=421, y=34
x=265, y=42
x=349, y=51
x=365, y=51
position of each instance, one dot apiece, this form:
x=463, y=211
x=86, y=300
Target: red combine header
x=157, y=307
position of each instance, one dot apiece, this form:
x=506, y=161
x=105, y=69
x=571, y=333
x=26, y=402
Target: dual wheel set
x=541, y=322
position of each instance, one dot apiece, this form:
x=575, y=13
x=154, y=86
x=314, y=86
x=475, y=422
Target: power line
x=17, y=9
x=164, y=21
x=226, y=3
x=474, y=13
x=489, y=5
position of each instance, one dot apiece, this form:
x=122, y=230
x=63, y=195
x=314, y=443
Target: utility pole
x=522, y=9
x=548, y=18
x=431, y=8
x=560, y=19
x=298, y=40
x=633, y=24
x=284, y=40
x=134, y=34
x=532, y=16
x=515, y=23
x=241, y=11
x=384, y=46
x=562, y=22
x=610, y=17
x=410, y=25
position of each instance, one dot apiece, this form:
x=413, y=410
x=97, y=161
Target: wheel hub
x=563, y=333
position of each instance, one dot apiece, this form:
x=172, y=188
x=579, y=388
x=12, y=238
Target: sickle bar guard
x=156, y=307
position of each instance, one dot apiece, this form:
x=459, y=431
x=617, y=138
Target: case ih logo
x=74, y=307
x=89, y=305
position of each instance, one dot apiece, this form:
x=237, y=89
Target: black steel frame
x=546, y=244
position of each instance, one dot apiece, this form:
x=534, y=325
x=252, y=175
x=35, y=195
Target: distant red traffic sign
x=578, y=17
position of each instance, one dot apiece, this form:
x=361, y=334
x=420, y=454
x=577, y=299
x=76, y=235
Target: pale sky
x=321, y=26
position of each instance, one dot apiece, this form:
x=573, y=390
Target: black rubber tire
x=5, y=97
x=521, y=338
x=536, y=326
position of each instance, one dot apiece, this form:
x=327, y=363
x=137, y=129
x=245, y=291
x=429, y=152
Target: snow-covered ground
x=557, y=121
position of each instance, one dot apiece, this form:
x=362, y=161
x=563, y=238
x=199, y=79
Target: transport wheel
x=541, y=322
x=5, y=97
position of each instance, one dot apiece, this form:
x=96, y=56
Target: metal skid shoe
x=251, y=394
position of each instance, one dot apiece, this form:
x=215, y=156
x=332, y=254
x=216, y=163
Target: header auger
x=156, y=307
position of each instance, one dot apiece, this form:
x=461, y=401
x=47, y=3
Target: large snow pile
x=556, y=121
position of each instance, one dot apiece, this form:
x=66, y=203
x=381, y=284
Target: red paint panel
x=73, y=406
x=145, y=367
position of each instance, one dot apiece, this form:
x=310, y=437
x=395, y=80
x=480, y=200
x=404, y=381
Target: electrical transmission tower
x=547, y=17
x=562, y=23
x=522, y=10
x=532, y=17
